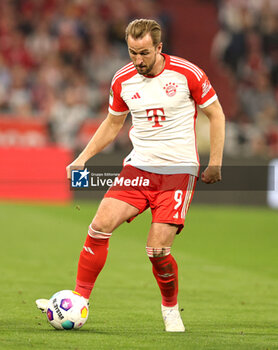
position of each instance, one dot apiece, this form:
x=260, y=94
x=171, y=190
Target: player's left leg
x=160, y=240
x=169, y=207
x=165, y=270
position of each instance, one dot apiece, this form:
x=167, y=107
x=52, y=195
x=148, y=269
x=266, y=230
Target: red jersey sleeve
x=117, y=105
x=200, y=88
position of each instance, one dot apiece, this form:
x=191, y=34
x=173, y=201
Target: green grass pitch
x=228, y=278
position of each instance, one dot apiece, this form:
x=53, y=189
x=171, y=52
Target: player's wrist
x=215, y=165
x=82, y=159
x=215, y=162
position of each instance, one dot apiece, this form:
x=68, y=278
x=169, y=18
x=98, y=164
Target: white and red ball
x=67, y=310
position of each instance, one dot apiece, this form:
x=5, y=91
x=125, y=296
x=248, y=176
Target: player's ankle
x=175, y=306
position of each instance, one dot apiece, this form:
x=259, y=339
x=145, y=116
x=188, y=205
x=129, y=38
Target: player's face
x=144, y=54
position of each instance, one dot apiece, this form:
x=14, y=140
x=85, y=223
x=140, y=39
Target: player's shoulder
x=185, y=67
x=125, y=73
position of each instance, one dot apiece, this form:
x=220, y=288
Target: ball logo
x=171, y=89
x=84, y=312
x=57, y=310
x=74, y=292
x=66, y=304
x=50, y=315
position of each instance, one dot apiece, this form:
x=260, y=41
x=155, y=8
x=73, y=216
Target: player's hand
x=211, y=174
x=75, y=165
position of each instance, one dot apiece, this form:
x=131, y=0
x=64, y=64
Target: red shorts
x=168, y=196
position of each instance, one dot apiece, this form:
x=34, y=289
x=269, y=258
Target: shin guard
x=165, y=271
x=91, y=261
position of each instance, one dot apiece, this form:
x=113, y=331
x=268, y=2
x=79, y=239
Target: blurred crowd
x=247, y=48
x=57, y=58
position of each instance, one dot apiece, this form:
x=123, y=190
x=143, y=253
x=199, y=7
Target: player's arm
x=105, y=134
x=216, y=117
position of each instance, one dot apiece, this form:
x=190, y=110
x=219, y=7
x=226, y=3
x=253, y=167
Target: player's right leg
x=110, y=214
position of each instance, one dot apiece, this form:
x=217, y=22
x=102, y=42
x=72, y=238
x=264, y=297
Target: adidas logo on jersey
x=136, y=96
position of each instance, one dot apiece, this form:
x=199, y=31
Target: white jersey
x=164, y=112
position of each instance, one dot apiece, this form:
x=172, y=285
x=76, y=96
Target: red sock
x=91, y=261
x=165, y=270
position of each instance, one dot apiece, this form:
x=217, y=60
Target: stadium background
x=57, y=58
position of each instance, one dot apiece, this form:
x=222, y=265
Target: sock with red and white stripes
x=91, y=261
x=165, y=270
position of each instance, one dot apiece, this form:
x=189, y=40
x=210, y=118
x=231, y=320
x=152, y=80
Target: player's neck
x=159, y=66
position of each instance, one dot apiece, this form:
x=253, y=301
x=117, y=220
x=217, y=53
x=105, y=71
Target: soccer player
x=162, y=93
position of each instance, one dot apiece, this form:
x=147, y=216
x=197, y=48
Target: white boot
x=172, y=319
x=42, y=304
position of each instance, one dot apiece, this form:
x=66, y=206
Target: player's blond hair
x=138, y=28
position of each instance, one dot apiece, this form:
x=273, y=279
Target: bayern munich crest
x=171, y=89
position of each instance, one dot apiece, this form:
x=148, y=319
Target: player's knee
x=162, y=235
x=96, y=230
x=103, y=223
x=158, y=252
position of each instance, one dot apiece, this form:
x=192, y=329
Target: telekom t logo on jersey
x=157, y=114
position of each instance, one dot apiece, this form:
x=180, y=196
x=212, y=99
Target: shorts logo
x=171, y=89
x=80, y=178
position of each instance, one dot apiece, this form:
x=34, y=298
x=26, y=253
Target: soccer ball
x=67, y=310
